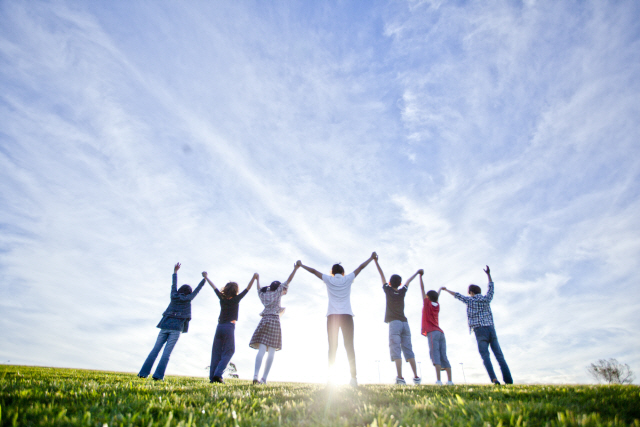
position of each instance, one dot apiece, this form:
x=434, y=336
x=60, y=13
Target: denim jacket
x=177, y=315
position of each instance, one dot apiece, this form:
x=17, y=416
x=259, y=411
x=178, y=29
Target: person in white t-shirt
x=339, y=314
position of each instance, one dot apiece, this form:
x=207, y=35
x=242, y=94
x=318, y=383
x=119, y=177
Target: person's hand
x=487, y=270
x=256, y=276
x=443, y=288
x=298, y=263
x=374, y=256
x=204, y=274
x=421, y=272
x=176, y=268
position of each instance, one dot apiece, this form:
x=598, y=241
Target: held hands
x=176, y=268
x=204, y=274
x=421, y=272
x=298, y=263
x=374, y=256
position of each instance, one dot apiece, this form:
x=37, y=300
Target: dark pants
x=165, y=336
x=224, y=345
x=486, y=336
x=334, y=323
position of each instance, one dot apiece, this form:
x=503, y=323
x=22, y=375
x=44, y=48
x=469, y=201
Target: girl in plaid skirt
x=268, y=335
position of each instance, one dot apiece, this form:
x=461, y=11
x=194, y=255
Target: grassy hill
x=64, y=397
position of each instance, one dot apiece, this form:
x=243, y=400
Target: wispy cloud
x=240, y=138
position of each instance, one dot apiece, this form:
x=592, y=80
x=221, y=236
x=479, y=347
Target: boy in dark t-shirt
x=399, y=332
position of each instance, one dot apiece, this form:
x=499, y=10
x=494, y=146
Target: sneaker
x=449, y=382
x=438, y=382
x=262, y=381
x=353, y=383
x=156, y=379
x=217, y=380
x=140, y=376
x=417, y=380
x=496, y=382
x=400, y=381
x=255, y=381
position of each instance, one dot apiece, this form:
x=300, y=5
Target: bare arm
x=293, y=273
x=424, y=294
x=204, y=274
x=384, y=281
x=255, y=277
x=445, y=289
x=311, y=270
x=406, y=284
x=364, y=264
x=488, y=274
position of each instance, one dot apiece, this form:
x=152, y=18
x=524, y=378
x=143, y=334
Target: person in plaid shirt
x=481, y=323
x=268, y=335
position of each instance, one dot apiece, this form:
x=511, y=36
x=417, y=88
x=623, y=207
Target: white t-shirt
x=339, y=291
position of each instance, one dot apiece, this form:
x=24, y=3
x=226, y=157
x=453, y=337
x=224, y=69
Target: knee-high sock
x=267, y=366
x=262, y=349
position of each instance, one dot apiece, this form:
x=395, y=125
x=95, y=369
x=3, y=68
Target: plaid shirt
x=271, y=300
x=478, y=308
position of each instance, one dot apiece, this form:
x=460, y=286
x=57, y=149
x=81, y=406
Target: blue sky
x=238, y=137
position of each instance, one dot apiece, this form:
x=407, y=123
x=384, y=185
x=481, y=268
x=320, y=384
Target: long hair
x=230, y=290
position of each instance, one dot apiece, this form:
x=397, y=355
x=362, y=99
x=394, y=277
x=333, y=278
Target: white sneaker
x=417, y=381
x=400, y=381
x=262, y=381
x=449, y=383
x=353, y=383
x=438, y=382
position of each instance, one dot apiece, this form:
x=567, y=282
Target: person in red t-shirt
x=435, y=335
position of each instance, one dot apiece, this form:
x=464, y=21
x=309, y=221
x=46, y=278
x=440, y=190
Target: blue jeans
x=224, y=345
x=165, y=336
x=400, y=340
x=486, y=336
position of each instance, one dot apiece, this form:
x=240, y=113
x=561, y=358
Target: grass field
x=64, y=397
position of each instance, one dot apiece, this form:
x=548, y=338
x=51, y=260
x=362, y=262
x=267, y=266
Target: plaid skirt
x=268, y=333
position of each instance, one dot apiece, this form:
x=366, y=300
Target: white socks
x=267, y=367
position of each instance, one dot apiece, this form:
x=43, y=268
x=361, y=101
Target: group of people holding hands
x=267, y=337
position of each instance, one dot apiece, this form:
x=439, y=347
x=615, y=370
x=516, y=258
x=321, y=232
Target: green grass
x=48, y=396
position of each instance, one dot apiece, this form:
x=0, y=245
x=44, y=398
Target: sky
x=240, y=136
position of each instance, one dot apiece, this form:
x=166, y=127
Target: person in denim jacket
x=175, y=320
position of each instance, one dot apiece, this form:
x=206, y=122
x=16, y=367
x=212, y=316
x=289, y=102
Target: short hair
x=337, y=269
x=185, y=290
x=475, y=289
x=395, y=281
x=230, y=290
x=433, y=296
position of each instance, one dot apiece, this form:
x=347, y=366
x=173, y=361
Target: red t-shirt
x=430, y=317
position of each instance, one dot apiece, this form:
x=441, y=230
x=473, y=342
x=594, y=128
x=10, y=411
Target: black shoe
x=256, y=382
x=140, y=376
x=156, y=379
x=496, y=382
x=217, y=380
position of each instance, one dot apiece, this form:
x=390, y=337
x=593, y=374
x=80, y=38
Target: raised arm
x=488, y=274
x=258, y=283
x=384, y=281
x=406, y=284
x=296, y=266
x=255, y=277
x=364, y=264
x=204, y=274
x=310, y=270
x=424, y=294
x=174, y=281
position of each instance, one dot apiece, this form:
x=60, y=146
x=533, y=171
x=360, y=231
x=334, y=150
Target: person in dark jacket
x=175, y=320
